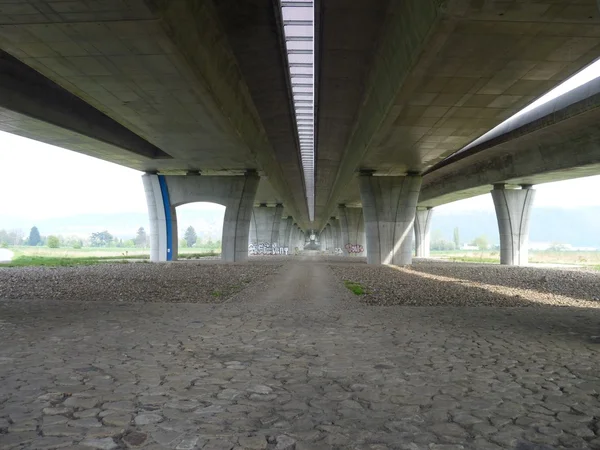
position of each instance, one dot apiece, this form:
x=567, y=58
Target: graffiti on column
x=338, y=251
x=354, y=248
x=266, y=248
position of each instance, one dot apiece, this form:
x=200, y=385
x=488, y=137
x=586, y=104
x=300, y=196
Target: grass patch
x=355, y=287
x=475, y=259
x=216, y=293
x=197, y=255
x=56, y=261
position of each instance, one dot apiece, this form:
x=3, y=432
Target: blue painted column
x=162, y=217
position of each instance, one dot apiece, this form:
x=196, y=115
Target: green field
x=588, y=259
x=44, y=256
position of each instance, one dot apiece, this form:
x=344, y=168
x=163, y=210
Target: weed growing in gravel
x=216, y=293
x=356, y=288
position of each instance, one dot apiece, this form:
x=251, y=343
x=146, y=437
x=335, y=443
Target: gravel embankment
x=134, y=282
x=459, y=284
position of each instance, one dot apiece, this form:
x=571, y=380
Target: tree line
x=97, y=239
x=100, y=239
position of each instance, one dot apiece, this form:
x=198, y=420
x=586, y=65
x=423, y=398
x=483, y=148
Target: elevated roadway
x=203, y=87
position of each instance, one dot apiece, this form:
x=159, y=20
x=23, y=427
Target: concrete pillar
x=160, y=215
x=352, y=230
x=323, y=239
x=285, y=231
x=336, y=233
x=165, y=192
x=301, y=240
x=513, y=211
x=389, y=205
x=264, y=226
x=422, y=231
x=295, y=238
x=329, y=238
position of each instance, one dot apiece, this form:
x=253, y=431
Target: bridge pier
x=336, y=233
x=264, y=225
x=165, y=192
x=352, y=228
x=300, y=238
x=513, y=211
x=389, y=205
x=285, y=231
x=423, y=231
x=329, y=238
x=296, y=238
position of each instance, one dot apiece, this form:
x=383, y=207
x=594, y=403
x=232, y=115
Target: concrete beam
x=558, y=141
x=368, y=92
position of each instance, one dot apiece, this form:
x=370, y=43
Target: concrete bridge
x=337, y=118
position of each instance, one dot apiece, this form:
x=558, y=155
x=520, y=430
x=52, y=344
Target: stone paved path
x=298, y=363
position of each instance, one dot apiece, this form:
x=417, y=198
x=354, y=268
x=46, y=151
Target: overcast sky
x=41, y=181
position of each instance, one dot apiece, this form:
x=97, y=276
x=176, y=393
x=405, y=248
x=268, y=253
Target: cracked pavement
x=296, y=361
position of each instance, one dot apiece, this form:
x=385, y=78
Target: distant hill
x=579, y=227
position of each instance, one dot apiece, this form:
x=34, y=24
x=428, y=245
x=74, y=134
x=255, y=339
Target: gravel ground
x=193, y=282
x=429, y=283
x=573, y=282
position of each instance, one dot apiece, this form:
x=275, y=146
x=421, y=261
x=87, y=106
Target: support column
x=513, y=211
x=329, y=238
x=389, y=205
x=301, y=239
x=352, y=231
x=264, y=228
x=422, y=231
x=323, y=239
x=165, y=192
x=295, y=238
x=285, y=231
x=162, y=217
x=336, y=233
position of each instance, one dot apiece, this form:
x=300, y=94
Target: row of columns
x=513, y=211
x=244, y=224
x=382, y=229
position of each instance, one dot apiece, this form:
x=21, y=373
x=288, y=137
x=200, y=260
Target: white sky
x=40, y=181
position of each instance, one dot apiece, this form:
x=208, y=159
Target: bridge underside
x=203, y=87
